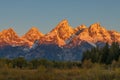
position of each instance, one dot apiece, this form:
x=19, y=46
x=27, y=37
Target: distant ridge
x=63, y=43
x=63, y=35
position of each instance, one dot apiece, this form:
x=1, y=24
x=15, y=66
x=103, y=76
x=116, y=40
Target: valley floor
x=42, y=73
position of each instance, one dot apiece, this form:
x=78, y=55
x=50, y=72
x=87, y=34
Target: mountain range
x=61, y=43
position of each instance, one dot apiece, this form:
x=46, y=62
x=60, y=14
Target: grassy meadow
x=60, y=71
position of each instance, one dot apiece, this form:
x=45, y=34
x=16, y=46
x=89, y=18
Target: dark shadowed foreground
x=19, y=69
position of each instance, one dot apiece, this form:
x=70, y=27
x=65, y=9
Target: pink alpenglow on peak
x=9, y=37
x=63, y=34
x=32, y=35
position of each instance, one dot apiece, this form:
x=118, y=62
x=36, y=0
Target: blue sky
x=46, y=14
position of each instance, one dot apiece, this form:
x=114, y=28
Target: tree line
x=22, y=63
x=104, y=55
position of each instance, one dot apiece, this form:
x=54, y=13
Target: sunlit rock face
x=59, y=34
x=98, y=33
x=62, y=43
x=62, y=35
x=32, y=35
x=9, y=37
x=94, y=34
x=80, y=28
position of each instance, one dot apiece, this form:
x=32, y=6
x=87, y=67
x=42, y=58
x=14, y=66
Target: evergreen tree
x=19, y=62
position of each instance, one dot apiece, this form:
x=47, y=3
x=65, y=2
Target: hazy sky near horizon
x=46, y=14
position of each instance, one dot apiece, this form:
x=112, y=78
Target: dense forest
x=104, y=55
x=97, y=64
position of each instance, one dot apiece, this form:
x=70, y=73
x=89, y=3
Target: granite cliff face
x=32, y=35
x=59, y=34
x=61, y=43
x=63, y=34
x=9, y=37
x=94, y=34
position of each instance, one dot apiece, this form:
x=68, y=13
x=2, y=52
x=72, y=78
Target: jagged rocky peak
x=10, y=30
x=63, y=23
x=59, y=34
x=115, y=36
x=9, y=37
x=82, y=26
x=63, y=30
x=33, y=34
x=35, y=30
x=96, y=28
x=79, y=28
x=95, y=33
x=9, y=33
x=99, y=33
